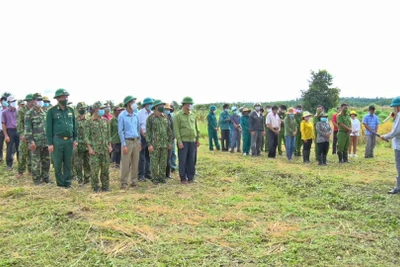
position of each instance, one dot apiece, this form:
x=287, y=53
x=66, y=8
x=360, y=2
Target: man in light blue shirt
x=129, y=134
x=144, y=159
x=371, y=124
x=395, y=136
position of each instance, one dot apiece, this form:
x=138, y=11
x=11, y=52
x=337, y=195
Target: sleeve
x=121, y=130
x=28, y=129
x=75, y=130
x=49, y=127
x=87, y=135
x=149, y=131
x=396, y=130
x=197, y=130
x=302, y=128
x=170, y=132
x=109, y=133
x=20, y=121
x=251, y=122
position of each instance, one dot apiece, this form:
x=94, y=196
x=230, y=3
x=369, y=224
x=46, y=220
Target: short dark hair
x=267, y=106
x=3, y=98
x=371, y=107
x=298, y=106
x=225, y=106
x=283, y=107
x=274, y=107
x=344, y=104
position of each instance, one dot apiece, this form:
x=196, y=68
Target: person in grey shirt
x=324, y=132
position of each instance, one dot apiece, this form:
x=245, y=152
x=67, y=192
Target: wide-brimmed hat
x=11, y=99
x=290, y=110
x=187, y=100
x=246, y=110
x=353, y=112
x=128, y=99
x=157, y=103
x=168, y=106
x=306, y=114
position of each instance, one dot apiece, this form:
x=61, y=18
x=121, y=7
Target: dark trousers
x=307, y=145
x=236, y=138
x=334, y=144
x=225, y=137
x=323, y=148
x=168, y=170
x=1, y=144
x=116, y=154
x=186, y=157
x=62, y=161
x=14, y=141
x=144, y=160
x=272, y=144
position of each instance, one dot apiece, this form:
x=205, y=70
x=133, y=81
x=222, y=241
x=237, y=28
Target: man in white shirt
x=144, y=158
x=274, y=127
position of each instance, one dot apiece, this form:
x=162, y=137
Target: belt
x=63, y=137
x=132, y=139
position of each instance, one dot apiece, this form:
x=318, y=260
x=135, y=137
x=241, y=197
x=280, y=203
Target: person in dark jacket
x=212, y=127
x=257, y=129
x=224, y=124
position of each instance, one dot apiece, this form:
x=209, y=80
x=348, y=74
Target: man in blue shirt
x=371, y=124
x=129, y=134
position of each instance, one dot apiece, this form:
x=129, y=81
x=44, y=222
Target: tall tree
x=320, y=92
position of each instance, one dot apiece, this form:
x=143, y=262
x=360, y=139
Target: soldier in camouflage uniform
x=81, y=154
x=159, y=139
x=98, y=140
x=35, y=135
x=24, y=154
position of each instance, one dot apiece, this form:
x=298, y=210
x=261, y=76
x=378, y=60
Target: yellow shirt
x=307, y=130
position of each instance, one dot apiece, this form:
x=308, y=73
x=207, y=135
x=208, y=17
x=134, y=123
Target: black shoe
x=105, y=189
x=148, y=177
x=37, y=183
x=48, y=181
x=96, y=190
x=394, y=191
x=142, y=179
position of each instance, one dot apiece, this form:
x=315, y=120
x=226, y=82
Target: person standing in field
x=290, y=133
x=281, y=136
x=355, y=133
x=116, y=143
x=299, y=140
x=344, y=126
x=24, y=159
x=246, y=134
x=236, y=131
x=224, y=124
x=335, y=131
x=324, y=131
x=81, y=154
x=307, y=135
x=257, y=129
x=212, y=127
x=371, y=124
x=395, y=136
x=273, y=123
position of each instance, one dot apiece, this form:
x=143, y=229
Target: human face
x=371, y=111
x=353, y=116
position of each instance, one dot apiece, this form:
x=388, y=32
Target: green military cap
x=157, y=103
x=98, y=105
x=187, y=100
x=46, y=99
x=147, y=100
x=128, y=99
x=36, y=96
x=306, y=114
x=28, y=97
x=81, y=105
x=395, y=102
x=61, y=92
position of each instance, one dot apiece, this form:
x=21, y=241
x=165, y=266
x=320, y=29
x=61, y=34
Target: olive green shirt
x=346, y=120
x=185, y=127
x=60, y=123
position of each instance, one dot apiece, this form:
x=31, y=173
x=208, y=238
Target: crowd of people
x=143, y=141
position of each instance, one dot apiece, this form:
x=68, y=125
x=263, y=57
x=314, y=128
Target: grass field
x=242, y=211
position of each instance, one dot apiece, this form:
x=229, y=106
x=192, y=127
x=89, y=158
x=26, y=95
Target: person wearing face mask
x=371, y=124
x=246, y=134
x=236, y=131
x=281, y=136
x=224, y=124
x=344, y=126
x=107, y=115
x=129, y=135
x=116, y=143
x=265, y=144
x=187, y=136
x=159, y=140
x=168, y=114
x=335, y=131
x=21, y=104
x=24, y=159
x=9, y=124
x=98, y=141
x=144, y=160
x=324, y=132
x=62, y=137
x=395, y=136
x=46, y=103
x=35, y=136
x=356, y=129
x=81, y=156
x=212, y=128
x=3, y=107
x=174, y=156
x=299, y=140
x=320, y=109
x=274, y=127
x=257, y=129
x=290, y=133
x=307, y=135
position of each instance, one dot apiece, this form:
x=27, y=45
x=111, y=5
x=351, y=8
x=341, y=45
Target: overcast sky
x=213, y=51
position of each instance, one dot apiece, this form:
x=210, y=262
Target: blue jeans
x=14, y=141
x=290, y=145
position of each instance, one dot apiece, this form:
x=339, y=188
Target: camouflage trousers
x=24, y=158
x=81, y=165
x=40, y=159
x=158, y=164
x=99, y=163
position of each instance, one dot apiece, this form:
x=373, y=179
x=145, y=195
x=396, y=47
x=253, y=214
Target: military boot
x=346, y=157
x=340, y=156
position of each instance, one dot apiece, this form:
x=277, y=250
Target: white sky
x=214, y=51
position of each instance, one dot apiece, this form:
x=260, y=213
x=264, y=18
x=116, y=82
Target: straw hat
x=290, y=110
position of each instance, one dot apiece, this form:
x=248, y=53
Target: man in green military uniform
x=316, y=119
x=61, y=133
x=24, y=154
x=344, y=126
x=281, y=136
x=299, y=141
x=159, y=139
x=246, y=134
x=81, y=163
x=35, y=135
x=98, y=140
x=212, y=127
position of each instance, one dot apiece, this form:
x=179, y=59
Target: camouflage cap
x=21, y=102
x=81, y=105
x=37, y=96
x=98, y=105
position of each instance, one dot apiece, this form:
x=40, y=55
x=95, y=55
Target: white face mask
x=39, y=103
x=134, y=106
x=13, y=104
x=191, y=107
x=257, y=108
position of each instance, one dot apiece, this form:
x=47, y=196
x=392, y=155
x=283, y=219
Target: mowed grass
x=242, y=211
